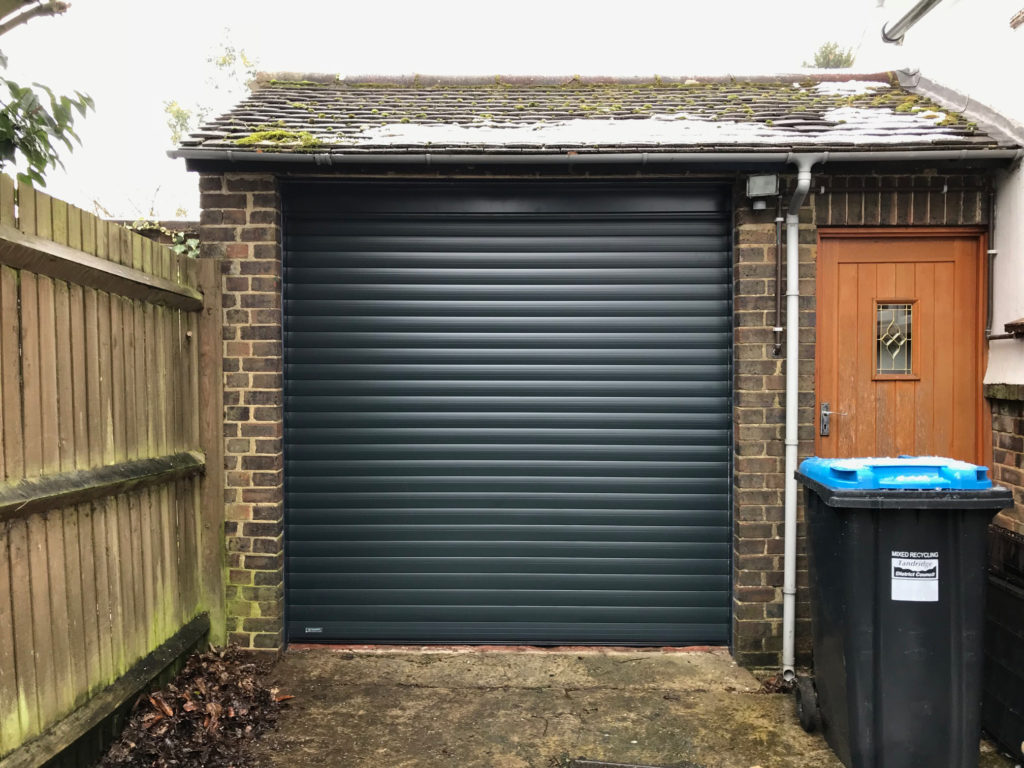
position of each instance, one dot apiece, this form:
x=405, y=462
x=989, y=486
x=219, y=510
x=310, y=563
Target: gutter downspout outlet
x=804, y=163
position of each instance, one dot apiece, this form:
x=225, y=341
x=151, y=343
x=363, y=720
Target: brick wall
x=241, y=225
x=1008, y=448
x=760, y=383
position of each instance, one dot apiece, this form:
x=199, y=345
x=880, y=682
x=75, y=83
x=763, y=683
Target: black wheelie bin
x=897, y=565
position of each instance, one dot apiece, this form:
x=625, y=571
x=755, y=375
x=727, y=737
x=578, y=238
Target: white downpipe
x=804, y=164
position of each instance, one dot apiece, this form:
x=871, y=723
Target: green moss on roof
x=299, y=138
x=373, y=85
x=298, y=84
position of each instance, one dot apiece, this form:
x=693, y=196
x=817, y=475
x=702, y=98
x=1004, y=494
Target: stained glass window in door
x=894, y=339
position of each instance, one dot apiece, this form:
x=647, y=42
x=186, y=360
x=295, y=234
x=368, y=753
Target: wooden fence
x=110, y=523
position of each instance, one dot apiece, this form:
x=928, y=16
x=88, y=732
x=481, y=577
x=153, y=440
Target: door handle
x=825, y=419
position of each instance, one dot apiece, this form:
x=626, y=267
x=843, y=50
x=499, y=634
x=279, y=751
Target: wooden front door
x=900, y=352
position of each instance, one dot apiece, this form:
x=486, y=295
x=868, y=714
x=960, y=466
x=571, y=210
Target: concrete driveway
x=531, y=708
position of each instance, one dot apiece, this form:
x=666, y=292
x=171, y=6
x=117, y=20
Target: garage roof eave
x=208, y=159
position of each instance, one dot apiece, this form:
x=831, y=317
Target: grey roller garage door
x=507, y=413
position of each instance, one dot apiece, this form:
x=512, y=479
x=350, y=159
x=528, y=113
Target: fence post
x=211, y=439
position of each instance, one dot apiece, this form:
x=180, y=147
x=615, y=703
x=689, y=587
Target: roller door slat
x=307, y=254
x=573, y=308
x=315, y=324
x=676, y=565
x=440, y=451
x=303, y=384
x=633, y=632
x=371, y=581
x=342, y=531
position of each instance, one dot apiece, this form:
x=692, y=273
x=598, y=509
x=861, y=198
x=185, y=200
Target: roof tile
x=322, y=114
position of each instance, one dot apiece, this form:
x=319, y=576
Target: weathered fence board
x=10, y=727
x=110, y=532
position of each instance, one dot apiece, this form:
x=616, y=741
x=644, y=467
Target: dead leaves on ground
x=206, y=717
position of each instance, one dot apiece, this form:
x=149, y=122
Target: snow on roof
x=848, y=125
x=850, y=87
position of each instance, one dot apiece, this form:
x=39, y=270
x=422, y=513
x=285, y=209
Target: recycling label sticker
x=915, y=576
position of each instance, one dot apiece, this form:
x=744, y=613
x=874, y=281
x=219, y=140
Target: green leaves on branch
x=180, y=120
x=230, y=70
x=831, y=56
x=181, y=243
x=34, y=123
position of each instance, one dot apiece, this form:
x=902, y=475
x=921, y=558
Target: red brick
x=269, y=546
x=258, y=234
x=250, y=183
x=267, y=381
x=750, y=594
x=275, y=461
x=260, y=300
x=268, y=446
x=265, y=317
x=221, y=200
x=267, y=479
x=266, y=251
x=261, y=364
x=267, y=349
x=266, y=284
x=268, y=641
x=264, y=216
x=261, y=332
x=267, y=578
x=236, y=413
x=211, y=183
x=219, y=234
x=263, y=529
x=260, y=267
x=261, y=495
x=262, y=430
x=263, y=397
x=260, y=624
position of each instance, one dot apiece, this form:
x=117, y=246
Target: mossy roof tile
x=838, y=111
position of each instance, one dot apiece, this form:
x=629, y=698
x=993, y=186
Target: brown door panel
x=900, y=352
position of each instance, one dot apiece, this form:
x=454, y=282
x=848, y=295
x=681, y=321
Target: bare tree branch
x=51, y=8
x=7, y=7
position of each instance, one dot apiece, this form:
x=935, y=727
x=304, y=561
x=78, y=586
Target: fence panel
x=107, y=522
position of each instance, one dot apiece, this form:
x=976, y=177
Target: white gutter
x=804, y=164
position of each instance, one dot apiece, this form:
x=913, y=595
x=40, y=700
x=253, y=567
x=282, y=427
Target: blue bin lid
x=903, y=472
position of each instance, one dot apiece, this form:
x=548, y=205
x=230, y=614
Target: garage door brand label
x=915, y=576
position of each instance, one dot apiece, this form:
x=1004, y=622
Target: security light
x=764, y=185
x=761, y=186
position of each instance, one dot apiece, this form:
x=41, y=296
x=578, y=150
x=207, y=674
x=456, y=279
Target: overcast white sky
x=131, y=56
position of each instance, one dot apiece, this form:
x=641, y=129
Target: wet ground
x=534, y=709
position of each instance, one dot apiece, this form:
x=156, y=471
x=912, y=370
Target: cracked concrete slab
x=533, y=709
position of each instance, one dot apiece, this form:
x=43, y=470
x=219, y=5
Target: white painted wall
x=1006, y=357
x=968, y=45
